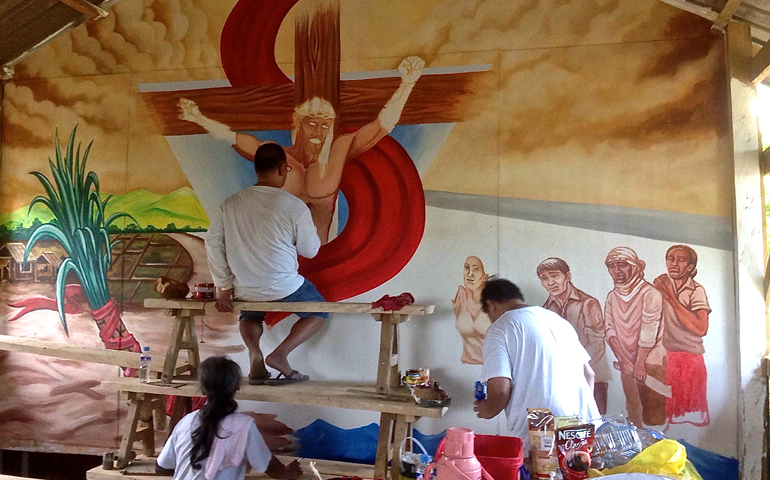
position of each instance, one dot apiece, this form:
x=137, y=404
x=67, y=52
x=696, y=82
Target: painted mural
x=520, y=139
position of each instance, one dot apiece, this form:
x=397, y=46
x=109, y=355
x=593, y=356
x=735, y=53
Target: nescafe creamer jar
x=204, y=291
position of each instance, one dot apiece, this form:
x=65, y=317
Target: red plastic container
x=501, y=456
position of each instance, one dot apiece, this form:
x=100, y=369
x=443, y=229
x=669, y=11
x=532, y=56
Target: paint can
x=204, y=291
x=108, y=461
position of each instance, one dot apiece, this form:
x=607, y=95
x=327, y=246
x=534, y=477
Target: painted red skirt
x=686, y=373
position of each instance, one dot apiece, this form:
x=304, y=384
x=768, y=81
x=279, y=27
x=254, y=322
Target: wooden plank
x=119, y=358
x=727, y=13
x=316, y=393
x=86, y=8
x=760, y=64
x=143, y=468
x=330, y=307
x=749, y=254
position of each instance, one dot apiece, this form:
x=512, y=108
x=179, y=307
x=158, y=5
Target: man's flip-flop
x=259, y=380
x=281, y=379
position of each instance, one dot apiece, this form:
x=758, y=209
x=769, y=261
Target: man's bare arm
x=498, y=395
x=163, y=471
x=368, y=135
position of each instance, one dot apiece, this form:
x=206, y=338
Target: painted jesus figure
x=316, y=157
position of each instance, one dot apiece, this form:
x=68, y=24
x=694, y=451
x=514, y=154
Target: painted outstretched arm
x=367, y=136
x=245, y=144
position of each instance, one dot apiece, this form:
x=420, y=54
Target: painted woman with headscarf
x=632, y=314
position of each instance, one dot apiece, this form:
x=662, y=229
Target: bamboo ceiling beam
x=86, y=8
x=704, y=12
x=727, y=13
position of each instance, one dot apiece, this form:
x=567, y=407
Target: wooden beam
x=704, y=12
x=87, y=8
x=349, y=395
x=330, y=307
x=144, y=469
x=749, y=255
x=727, y=13
x=760, y=64
x=8, y=66
x=119, y=358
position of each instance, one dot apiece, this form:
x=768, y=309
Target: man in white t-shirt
x=252, y=243
x=532, y=359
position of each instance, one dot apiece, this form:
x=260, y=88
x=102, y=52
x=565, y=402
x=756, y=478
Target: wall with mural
x=579, y=148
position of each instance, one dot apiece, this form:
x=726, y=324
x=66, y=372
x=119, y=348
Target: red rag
x=392, y=304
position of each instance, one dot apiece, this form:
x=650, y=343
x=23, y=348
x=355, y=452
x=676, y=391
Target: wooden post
x=388, y=335
x=749, y=258
x=317, y=52
x=183, y=337
x=129, y=433
x=387, y=421
x=399, y=433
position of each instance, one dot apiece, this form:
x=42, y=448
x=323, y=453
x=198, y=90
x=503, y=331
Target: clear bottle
x=144, y=365
x=422, y=463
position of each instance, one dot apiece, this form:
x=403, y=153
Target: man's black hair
x=269, y=156
x=499, y=290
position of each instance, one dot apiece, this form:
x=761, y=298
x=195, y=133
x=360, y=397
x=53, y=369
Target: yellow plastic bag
x=667, y=458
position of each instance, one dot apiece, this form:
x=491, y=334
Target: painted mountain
x=180, y=208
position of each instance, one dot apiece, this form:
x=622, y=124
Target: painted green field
x=180, y=207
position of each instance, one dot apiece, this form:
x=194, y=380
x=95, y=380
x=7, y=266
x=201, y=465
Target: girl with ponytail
x=215, y=443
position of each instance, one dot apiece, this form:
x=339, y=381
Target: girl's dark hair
x=220, y=378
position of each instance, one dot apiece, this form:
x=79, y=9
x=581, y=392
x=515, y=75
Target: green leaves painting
x=79, y=223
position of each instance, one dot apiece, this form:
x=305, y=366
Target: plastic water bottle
x=422, y=464
x=480, y=391
x=144, y=365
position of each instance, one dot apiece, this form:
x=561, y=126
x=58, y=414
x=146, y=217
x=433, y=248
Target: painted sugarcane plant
x=80, y=226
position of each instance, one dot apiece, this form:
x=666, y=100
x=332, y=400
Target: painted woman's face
x=554, y=281
x=473, y=273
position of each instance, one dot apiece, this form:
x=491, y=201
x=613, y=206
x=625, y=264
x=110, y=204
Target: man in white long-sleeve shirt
x=252, y=243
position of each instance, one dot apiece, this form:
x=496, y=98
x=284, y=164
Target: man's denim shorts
x=306, y=293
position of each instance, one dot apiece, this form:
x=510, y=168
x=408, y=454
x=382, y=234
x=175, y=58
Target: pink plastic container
x=501, y=457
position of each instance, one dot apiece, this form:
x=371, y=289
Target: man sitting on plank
x=252, y=243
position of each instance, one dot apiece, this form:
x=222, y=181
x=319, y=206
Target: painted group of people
x=655, y=330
